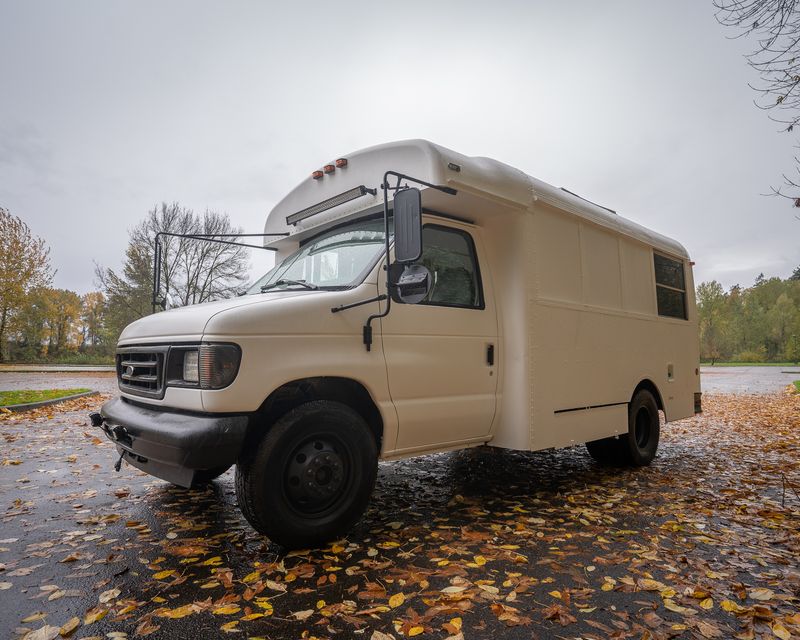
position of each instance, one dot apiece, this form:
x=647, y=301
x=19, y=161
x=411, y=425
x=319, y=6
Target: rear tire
x=638, y=446
x=311, y=475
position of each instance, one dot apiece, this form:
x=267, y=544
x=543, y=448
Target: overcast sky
x=109, y=108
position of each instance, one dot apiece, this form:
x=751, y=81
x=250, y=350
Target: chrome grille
x=140, y=370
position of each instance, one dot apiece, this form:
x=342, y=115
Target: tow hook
x=116, y=433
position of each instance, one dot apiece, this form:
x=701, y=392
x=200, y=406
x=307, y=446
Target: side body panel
x=594, y=333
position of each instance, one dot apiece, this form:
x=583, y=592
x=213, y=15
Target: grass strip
x=24, y=396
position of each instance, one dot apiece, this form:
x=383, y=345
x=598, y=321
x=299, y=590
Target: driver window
x=449, y=254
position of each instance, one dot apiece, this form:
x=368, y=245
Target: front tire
x=311, y=475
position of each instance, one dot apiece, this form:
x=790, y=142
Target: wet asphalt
x=75, y=529
x=747, y=379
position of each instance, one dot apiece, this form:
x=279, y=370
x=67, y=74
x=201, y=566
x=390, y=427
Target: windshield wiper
x=283, y=283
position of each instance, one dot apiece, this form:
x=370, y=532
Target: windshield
x=336, y=260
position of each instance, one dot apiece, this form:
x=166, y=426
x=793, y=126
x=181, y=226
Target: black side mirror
x=407, y=226
x=411, y=283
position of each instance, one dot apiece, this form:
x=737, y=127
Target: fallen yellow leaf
x=265, y=604
x=226, y=610
x=93, y=615
x=396, y=600
x=68, y=628
x=253, y=616
x=163, y=574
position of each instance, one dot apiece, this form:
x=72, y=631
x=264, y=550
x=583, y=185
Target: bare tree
x=192, y=271
x=775, y=24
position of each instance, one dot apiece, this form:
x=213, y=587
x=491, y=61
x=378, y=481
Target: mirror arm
x=385, y=186
x=345, y=307
x=203, y=237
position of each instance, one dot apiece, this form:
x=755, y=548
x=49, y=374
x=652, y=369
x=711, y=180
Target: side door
x=441, y=354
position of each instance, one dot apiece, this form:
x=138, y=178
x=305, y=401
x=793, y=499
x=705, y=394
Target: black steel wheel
x=311, y=475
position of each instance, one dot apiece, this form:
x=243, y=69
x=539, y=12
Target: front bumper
x=172, y=445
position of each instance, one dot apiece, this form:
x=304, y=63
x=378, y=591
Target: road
x=712, y=379
x=483, y=543
x=747, y=379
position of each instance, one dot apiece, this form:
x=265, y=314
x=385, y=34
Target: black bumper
x=172, y=445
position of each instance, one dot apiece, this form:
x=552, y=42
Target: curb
x=29, y=406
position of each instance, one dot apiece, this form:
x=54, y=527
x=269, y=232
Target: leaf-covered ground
x=705, y=543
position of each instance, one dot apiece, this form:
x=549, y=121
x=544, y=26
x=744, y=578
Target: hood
x=189, y=323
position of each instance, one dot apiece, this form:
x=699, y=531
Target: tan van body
x=567, y=329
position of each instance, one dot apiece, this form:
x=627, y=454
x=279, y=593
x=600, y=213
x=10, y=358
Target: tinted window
x=669, y=272
x=670, y=287
x=449, y=254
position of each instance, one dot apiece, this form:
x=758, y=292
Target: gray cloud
x=110, y=108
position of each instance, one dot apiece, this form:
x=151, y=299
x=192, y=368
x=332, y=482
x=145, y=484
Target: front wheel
x=311, y=475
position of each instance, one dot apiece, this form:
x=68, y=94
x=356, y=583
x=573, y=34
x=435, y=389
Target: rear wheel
x=311, y=475
x=638, y=446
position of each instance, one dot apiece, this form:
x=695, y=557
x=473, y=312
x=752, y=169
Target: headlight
x=218, y=365
x=191, y=370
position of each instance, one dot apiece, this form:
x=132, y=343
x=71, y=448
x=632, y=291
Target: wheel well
x=293, y=394
x=651, y=387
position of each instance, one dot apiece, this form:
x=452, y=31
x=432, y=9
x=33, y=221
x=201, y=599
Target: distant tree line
x=756, y=324
x=40, y=323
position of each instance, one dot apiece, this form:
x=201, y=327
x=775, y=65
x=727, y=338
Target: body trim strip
x=594, y=406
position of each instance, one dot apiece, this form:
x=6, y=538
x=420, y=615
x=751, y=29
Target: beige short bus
x=513, y=314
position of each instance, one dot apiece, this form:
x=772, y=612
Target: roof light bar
x=330, y=203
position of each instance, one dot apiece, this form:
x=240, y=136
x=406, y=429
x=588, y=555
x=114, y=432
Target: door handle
x=490, y=355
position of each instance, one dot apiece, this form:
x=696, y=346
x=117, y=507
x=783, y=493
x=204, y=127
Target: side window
x=670, y=287
x=449, y=254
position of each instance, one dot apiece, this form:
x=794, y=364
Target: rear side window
x=670, y=287
x=449, y=254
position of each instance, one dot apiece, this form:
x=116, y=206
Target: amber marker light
x=329, y=168
x=317, y=174
x=341, y=163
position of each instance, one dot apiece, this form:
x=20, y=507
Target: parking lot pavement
x=483, y=543
x=744, y=380
x=103, y=381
